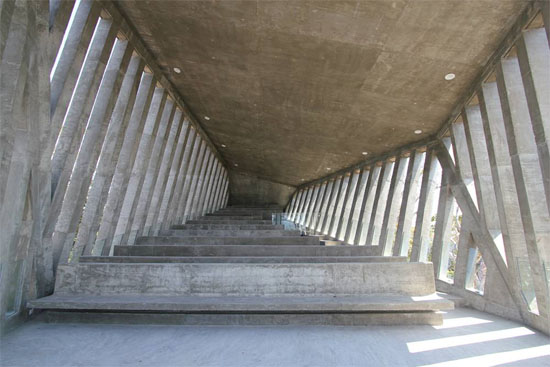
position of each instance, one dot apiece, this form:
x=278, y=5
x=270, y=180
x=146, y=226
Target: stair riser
x=229, y=250
x=233, y=222
x=239, y=260
x=287, y=240
x=246, y=279
x=228, y=233
x=231, y=217
x=229, y=227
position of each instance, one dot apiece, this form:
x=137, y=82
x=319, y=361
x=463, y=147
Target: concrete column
x=209, y=207
x=344, y=213
x=105, y=163
x=311, y=205
x=65, y=228
x=360, y=234
x=355, y=202
x=534, y=62
x=210, y=187
x=442, y=233
x=394, y=199
x=199, y=188
x=525, y=165
x=80, y=95
x=373, y=236
x=176, y=175
x=204, y=185
x=191, y=147
x=215, y=188
x=108, y=218
x=194, y=182
x=481, y=169
x=305, y=203
x=368, y=205
x=333, y=219
x=297, y=206
x=421, y=239
x=59, y=17
x=318, y=204
x=362, y=202
x=163, y=175
x=410, y=197
x=67, y=51
x=325, y=207
x=189, y=177
x=462, y=157
x=152, y=157
x=138, y=169
x=225, y=193
x=292, y=204
x=219, y=195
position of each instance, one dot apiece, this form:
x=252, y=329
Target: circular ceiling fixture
x=365, y=153
x=418, y=132
x=177, y=70
x=206, y=118
x=236, y=165
x=223, y=145
x=328, y=168
x=450, y=76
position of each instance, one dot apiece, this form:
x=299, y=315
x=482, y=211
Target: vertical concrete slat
x=176, y=176
x=189, y=178
x=342, y=217
x=138, y=169
x=342, y=184
x=70, y=205
x=534, y=62
x=362, y=208
x=200, y=184
x=354, y=200
x=163, y=174
x=105, y=160
x=194, y=181
x=368, y=212
x=305, y=202
x=150, y=176
x=206, y=182
x=373, y=236
x=442, y=233
x=211, y=185
x=325, y=208
x=463, y=161
x=311, y=204
x=318, y=204
x=298, y=203
x=292, y=204
x=215, y=188
x=394, y=197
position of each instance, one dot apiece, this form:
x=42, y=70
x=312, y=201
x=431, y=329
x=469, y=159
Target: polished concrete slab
x=467, y=337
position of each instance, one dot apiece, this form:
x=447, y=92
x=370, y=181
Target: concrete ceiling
x=295, y=87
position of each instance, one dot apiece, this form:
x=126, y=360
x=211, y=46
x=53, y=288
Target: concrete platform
x=248, y=250
x=240, y=259
x=224, y=241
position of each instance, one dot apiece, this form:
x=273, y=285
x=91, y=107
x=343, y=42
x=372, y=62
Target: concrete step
x=238, y=250
x=240, y=259
x=276, y=241
x=240, y=280
x=231, y=227
x=230, y=217
x=233, y=222
x=246, y=304
x=229, y=233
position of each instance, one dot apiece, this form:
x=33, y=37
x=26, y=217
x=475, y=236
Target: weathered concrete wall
x=251, y=190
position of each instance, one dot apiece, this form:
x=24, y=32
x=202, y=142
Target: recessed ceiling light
x=365, y=153
x=177, y=70
x=450, y=76
x=303, y=179
x=418, y=132
x=223, y=145
x=328, y=168
x=236, y=165
x=206, y=118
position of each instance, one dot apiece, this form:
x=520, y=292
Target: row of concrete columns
x=492, y=166
x=96, y=149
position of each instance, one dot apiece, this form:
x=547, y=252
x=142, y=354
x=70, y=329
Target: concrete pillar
x=219, y=195
x=298, y=204
x=378, y=206
x=325, y=208
x=442, y=233
x=68, y=50
x=526, y=168
x=534, y=62
x=303, y=207
x=176, y=175
x=186, y=214
x=138, y=170
x=210, y=188
x=344, y=213
x=356, y=200
x=367, y=205
x=318, y=204
x=199, y=188
x=290, y=208
x=337, y=205
x=178, y=126
x=65, y=228
x=421, y=239
x=410, y=197
x=394, y=199
x=143, y=197
x=204, y=185
x=189, y=154
x=462, y=157
x=189, y=178
x=217, y=179
x=311, y=204
x=79, y=97
x=481, y=169
x=223, y=204
x=106, y=163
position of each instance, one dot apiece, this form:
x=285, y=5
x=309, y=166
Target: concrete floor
x=468, y=337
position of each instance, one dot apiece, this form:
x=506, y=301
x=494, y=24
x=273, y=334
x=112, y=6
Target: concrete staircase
x=235, y=267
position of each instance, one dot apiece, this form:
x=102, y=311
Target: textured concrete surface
x=249, y=189
x=467, y=337
x=285, y=83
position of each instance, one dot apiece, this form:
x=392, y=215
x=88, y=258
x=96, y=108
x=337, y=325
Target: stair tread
x=302, y=304
x=242, y=259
